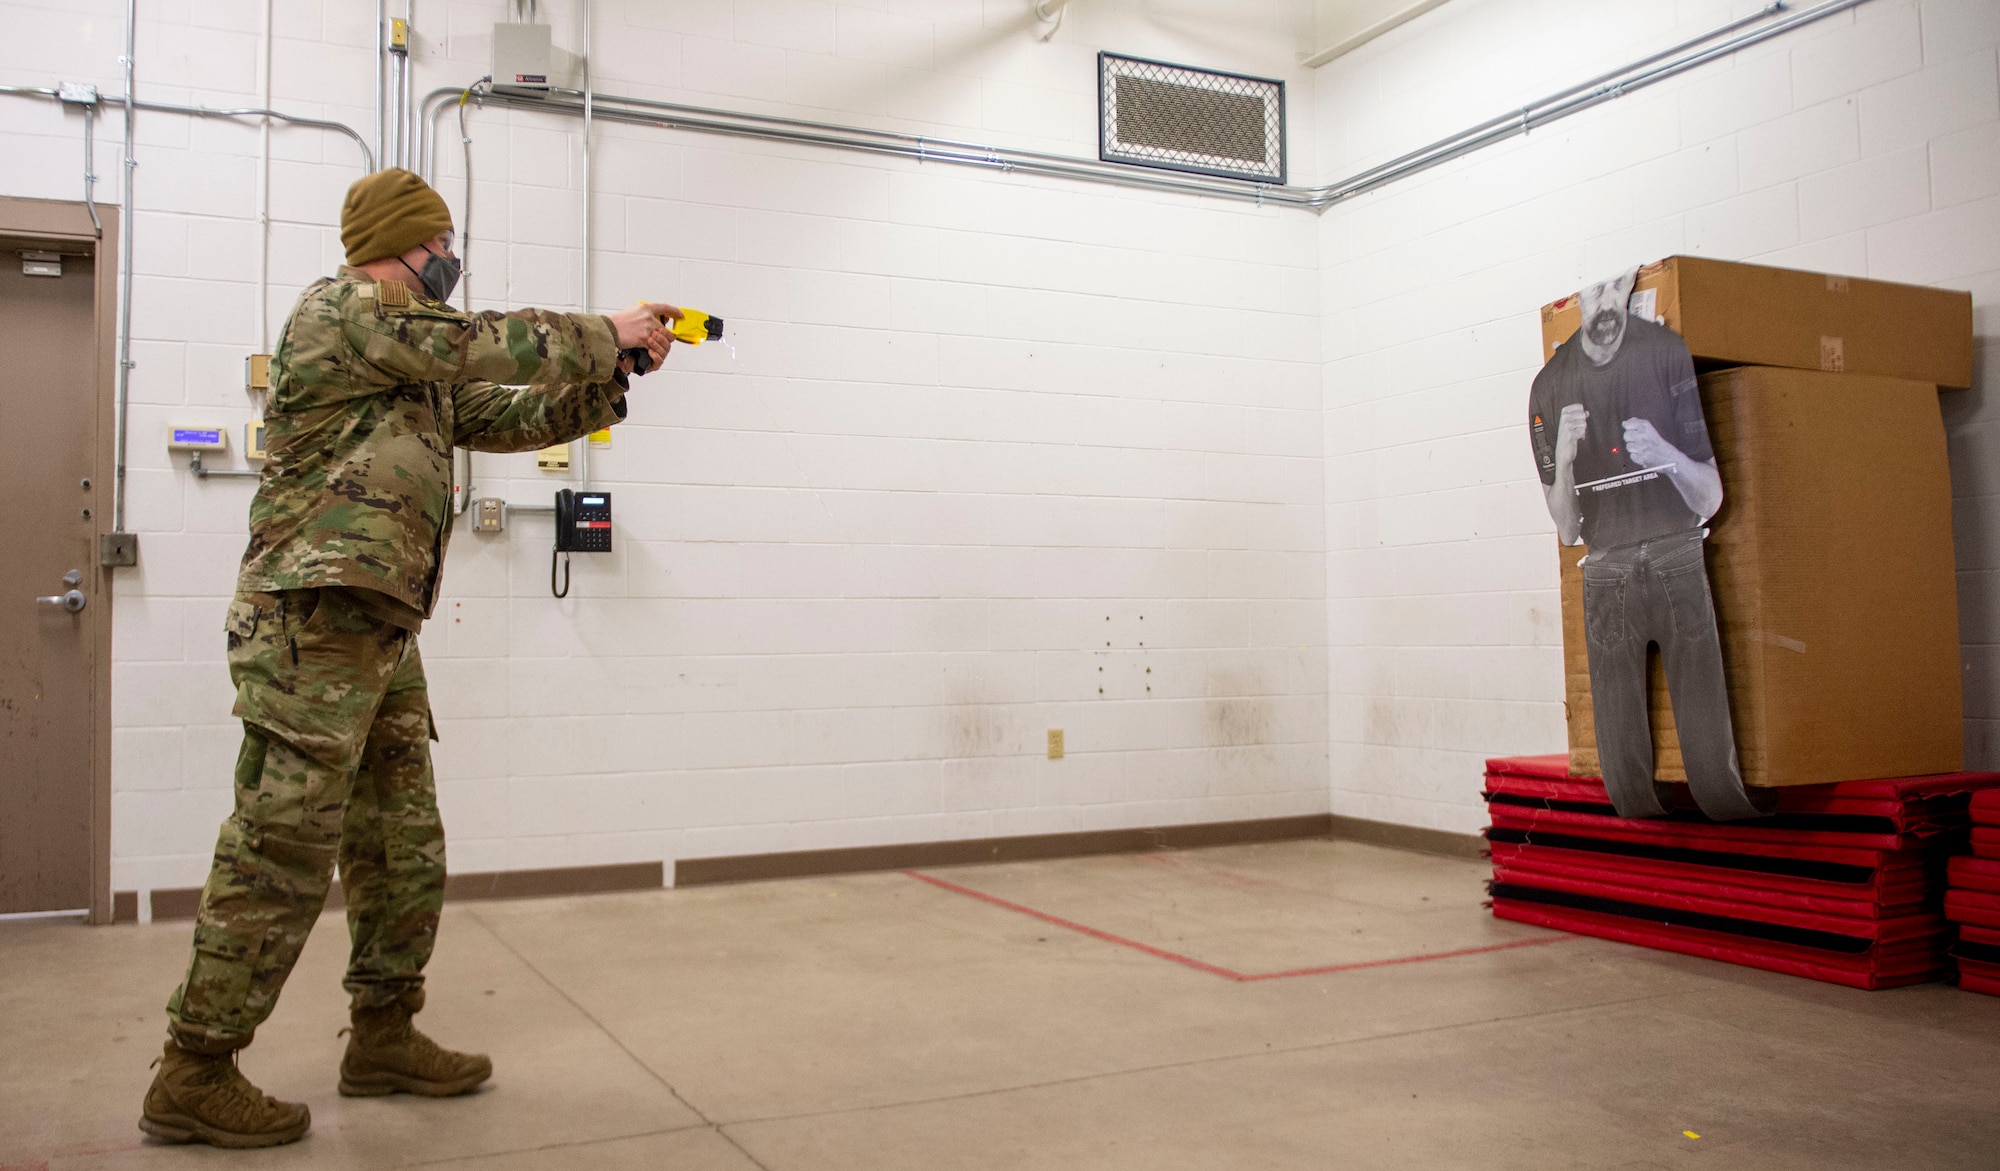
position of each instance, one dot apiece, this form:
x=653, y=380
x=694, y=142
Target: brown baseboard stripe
x=181, y=903
x=857, y=859
x=562, y=880
x=1408, y=837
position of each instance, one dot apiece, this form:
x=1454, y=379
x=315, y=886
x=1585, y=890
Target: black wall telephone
x=583, y=525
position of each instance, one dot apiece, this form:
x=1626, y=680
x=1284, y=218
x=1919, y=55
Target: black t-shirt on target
x=1651, y=377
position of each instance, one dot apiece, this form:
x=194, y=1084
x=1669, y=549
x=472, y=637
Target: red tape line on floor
x=1212, y=969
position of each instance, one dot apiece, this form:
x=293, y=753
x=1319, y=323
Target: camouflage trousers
x=335, y=764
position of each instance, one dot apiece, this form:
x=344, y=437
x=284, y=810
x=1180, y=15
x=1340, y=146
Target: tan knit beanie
x=388, y=213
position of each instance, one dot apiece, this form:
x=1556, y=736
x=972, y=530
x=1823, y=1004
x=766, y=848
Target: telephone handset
x=583, y=525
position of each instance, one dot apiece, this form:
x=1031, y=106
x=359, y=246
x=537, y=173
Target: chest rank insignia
x=392, y=294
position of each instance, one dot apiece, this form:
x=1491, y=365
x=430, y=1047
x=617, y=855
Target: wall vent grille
x=1179, y=119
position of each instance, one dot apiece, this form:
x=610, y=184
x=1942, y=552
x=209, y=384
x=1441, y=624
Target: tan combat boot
x=199, y=1097
x=386, y=1054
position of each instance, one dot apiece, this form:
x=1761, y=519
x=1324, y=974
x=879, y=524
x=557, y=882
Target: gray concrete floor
x=879, y=1022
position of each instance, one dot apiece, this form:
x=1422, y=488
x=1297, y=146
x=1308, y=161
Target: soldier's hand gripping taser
x=694, y=328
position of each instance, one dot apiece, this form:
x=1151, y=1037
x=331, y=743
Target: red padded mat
x=1981, y=874
x=1986, y=979
x=1835, y=849
x=1818, y=817
x=1793, y=798
x=1978, y=958
x=1887, y=893
x=1972, y=906
x=1973, y=933
x=1887, y=965
x=1842, y=884
x=1717, y=904
x=1986, y=807
x=1887, y=890
x=1986, y=841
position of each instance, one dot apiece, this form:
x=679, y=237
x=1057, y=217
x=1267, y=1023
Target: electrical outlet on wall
x=1055, y=743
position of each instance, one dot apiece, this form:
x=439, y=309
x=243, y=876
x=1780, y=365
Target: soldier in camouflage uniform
x=372, y=385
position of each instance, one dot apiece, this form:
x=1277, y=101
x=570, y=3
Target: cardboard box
x=1831, y=565
x=1747, y=314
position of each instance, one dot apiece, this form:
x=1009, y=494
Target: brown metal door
x=48, y=437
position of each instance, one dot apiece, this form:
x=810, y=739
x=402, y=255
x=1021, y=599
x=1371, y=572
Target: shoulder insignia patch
x=392, y=294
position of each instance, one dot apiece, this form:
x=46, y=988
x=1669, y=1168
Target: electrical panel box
x=521, y=55
x=257, y=372
x=583, y=522
x=197, y=439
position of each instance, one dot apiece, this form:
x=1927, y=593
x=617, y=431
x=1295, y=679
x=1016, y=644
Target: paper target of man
x=1623, y=450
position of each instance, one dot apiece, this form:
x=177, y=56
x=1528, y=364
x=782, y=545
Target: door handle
x=72, y=600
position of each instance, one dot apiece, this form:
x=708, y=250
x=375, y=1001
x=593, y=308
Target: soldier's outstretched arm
x=486, y=417
x=426, y=342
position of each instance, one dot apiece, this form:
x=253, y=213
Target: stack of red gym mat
x=1973, y=901
x=1843, y=883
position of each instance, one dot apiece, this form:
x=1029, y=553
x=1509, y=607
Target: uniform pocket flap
x=241, y=620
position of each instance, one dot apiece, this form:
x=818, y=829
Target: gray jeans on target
x=1657, y=592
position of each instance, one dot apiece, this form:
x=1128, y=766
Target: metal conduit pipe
x=673, y=116
x=1574, y=100
x=405, y=80
x=264, y=52
x=1646, y=71
x=131, y=103
x=381, y=62
x=1514, y=118
x=583, y=294
x=428, y=112
x=367, y=156
x=463, y=497
x=123, y=392
x=89, y=143
x=90, y=167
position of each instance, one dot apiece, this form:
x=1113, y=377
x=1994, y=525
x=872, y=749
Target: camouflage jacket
x=371, y=387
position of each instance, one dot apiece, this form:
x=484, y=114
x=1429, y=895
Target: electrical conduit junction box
x=521, y=55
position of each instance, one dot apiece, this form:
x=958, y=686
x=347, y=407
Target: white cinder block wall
x=989, y=444
x=1868, y=144
x=994, y=455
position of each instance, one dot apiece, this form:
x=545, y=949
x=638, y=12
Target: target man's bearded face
x=1606, y=324
x=1605, y=308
